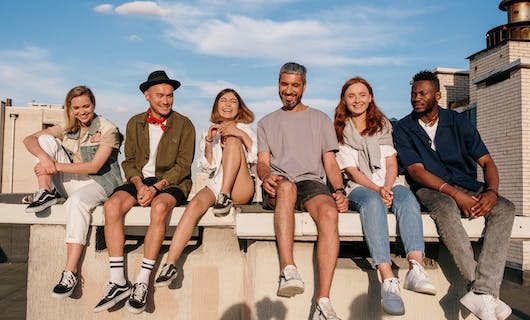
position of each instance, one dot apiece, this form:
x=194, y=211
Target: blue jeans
x=485, y=274
x=374, y=220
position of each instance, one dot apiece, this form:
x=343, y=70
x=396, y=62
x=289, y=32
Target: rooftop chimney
x=9, y=102
x=518, y=26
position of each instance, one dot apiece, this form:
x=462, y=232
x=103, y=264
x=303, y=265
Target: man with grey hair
x=296, y=150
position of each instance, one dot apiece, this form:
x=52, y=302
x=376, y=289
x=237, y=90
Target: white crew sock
x=117, y=274
x=145, y=271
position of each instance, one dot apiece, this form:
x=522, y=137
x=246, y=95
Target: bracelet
x=156, y=189
x=442, y=186
x=206, y=138
x=494, y=191
x=341, y=190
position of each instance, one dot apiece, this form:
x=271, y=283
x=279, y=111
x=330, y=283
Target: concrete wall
x=219, y=280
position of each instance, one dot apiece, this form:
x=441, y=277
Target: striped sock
x=145, y=271
x=117, y=274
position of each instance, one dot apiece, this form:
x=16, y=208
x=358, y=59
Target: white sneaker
x=291, y=282
x=502, y=311
x=324, y=310
x=418, y=280
x=481, y=305
x=391, y=297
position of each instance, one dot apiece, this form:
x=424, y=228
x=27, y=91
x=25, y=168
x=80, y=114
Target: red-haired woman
x=367, y=156
x=227, y=150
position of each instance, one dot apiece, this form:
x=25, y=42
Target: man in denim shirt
x=439, y=149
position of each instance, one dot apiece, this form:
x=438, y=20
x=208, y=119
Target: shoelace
x=38, y=194
x=165, y=269
x=139, y=292
x=393, y=286
x=110, y=287
x=68, y=279
x=327, y=310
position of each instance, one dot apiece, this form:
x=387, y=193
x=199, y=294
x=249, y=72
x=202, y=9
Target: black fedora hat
x=158, y=77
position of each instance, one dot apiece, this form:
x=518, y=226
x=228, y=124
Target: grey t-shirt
x=296, y=142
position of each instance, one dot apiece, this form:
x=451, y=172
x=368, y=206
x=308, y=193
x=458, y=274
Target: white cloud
x=134, y=37
x=141, y=8
x=29, y=72
x=104, y=8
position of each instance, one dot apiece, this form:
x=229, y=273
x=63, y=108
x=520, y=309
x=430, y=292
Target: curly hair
x=375, y=119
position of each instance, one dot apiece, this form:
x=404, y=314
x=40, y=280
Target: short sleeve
x=110, y=137
x=387, y=150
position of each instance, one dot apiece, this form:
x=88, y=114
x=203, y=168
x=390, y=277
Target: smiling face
x=357, y=99
x=82, y=109
x=160, y=98
x=291, y=89
x=228, y=106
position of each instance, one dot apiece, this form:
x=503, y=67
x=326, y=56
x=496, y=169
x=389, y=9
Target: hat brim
x=146, y=85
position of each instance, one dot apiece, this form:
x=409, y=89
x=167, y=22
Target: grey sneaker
x=291, y=282
x=138, y=298
x=481, y=305
x=418, y=280
x=167, y=274
x=391, y=297
x=66, y=285
x=223, y=205
x=42, y=200
x=324, y=310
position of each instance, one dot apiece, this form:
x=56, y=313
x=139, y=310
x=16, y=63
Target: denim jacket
x=109, y=175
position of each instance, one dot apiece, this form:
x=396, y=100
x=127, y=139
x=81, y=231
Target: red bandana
x=153, y=120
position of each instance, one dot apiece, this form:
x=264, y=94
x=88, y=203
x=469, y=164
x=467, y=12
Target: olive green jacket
x=175, y=150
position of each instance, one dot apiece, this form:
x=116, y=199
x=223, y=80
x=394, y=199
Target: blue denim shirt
x=458, y=147
x=109, y=175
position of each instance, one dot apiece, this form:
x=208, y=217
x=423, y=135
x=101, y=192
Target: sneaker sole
x=392, y=312
x=429, y=291
x=133, y=309
x=63, y=295
x=221, y=214
x=167, y=282
x=113, y=302
x=41, y=207
x=290, y=290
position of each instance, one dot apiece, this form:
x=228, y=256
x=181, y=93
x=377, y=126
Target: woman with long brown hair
x=228, y=149
x=367, y=157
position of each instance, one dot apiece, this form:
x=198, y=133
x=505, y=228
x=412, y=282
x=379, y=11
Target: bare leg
x=194, y=211
x=45, y=182
x=417, y=256
x=161, y=207
x=323, y=210
x=73, y=253
x=385, y=270
x=284, y=221
x=237, y=181
x=116, y=207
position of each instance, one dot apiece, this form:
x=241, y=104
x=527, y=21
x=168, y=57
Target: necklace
x=431, y=122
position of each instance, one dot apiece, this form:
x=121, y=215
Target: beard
x=430, y=107
x=291, y=105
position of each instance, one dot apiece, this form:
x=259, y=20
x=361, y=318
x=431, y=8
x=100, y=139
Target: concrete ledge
x=138, y=216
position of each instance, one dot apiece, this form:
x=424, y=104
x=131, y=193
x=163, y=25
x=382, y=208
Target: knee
x=231, y=141
x=505, y=207
x=112, y=210
x=159, y=212
x=285, y=187
x=328, y=219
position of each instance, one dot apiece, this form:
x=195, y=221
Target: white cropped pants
x=83, y=194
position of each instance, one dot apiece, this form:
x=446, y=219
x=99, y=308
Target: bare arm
x=335, y=179
x=265, y=174
x=488, y=198
x=46, y=163
x=464, y=201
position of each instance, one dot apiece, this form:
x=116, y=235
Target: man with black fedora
x=159, y=149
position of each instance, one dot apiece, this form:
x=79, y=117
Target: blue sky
x=50, y=46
